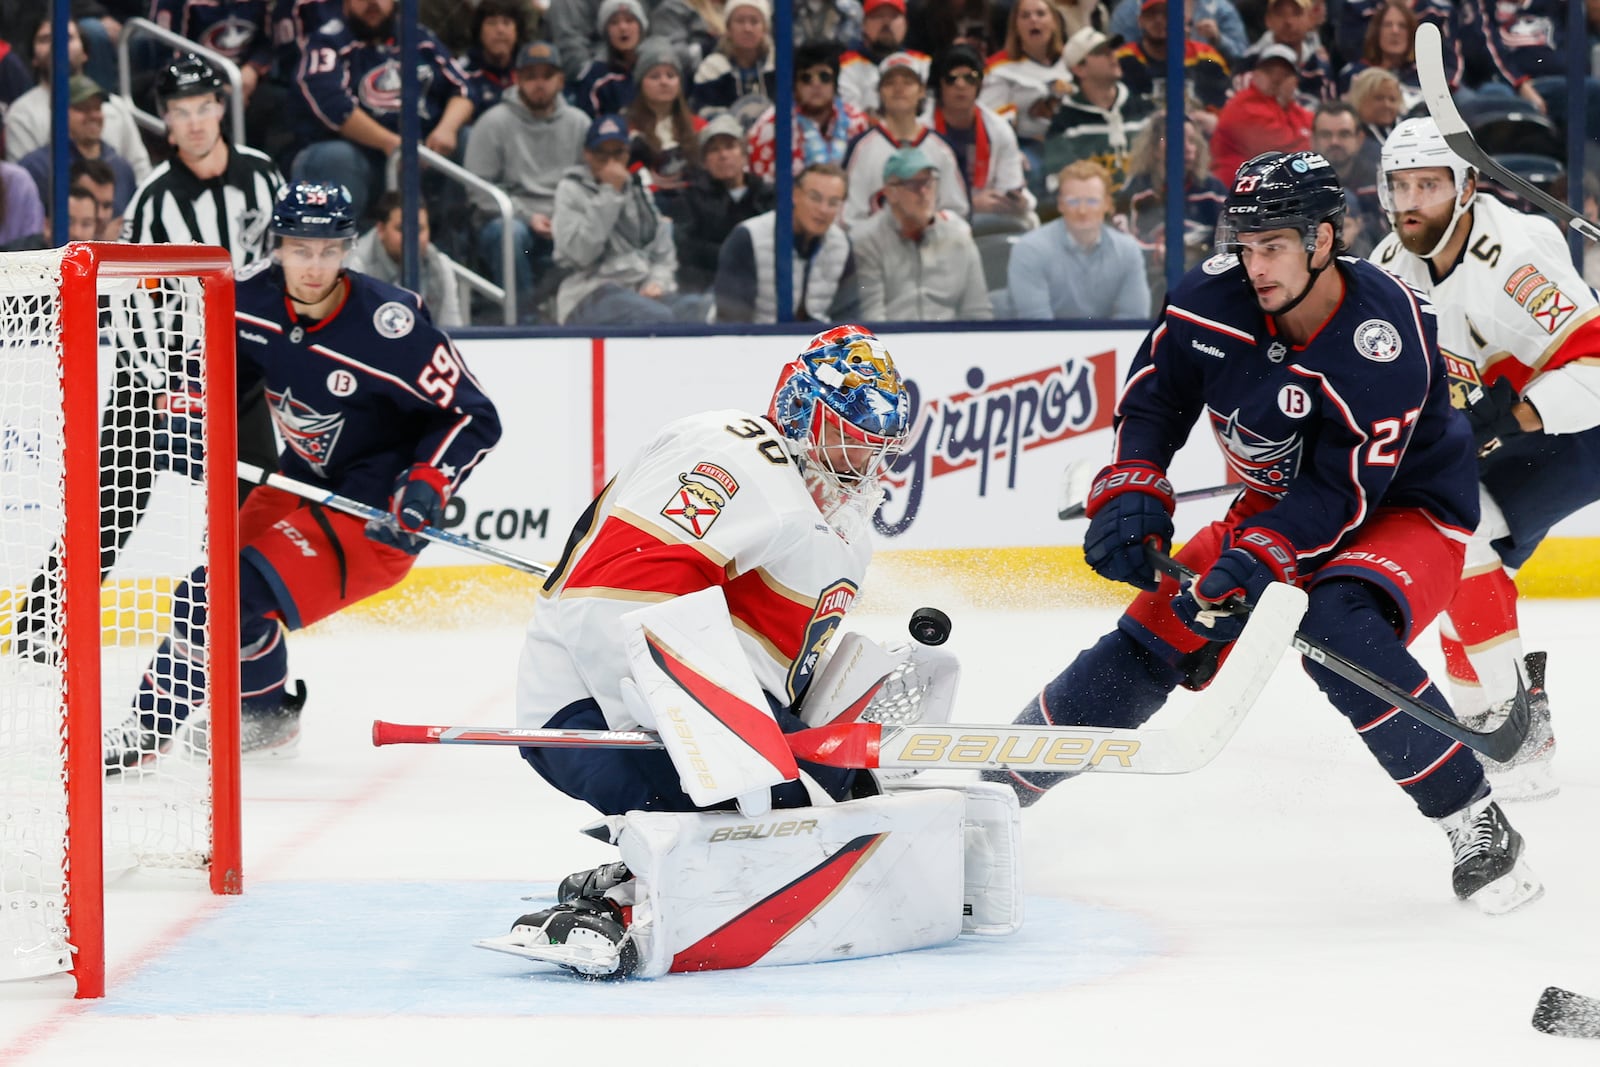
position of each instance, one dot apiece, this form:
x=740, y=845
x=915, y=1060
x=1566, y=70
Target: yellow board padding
x=133, y=612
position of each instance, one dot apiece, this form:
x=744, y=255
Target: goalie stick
x=1499, y=744
x=1567, y=1014
x=249, y=472
x=1078, y=476
x=1436, y=94
x=1187, y=746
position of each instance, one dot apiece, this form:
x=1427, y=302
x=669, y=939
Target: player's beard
x=1420, y=242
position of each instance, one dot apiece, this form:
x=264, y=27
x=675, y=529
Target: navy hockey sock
x=1116, y=682
x=1440, y=775
x=177, y=674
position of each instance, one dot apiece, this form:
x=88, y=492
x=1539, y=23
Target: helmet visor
x=1421, y=189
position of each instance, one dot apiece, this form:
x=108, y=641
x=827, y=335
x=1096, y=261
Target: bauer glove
x=1251, y=560
x=1130, y=504
x=417, y=502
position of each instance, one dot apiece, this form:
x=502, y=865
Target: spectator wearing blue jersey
x=349, y=99
x=499, y=28
x=606, y=84
x=1079, y=267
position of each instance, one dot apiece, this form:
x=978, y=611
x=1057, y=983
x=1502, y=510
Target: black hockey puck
x=930, y=626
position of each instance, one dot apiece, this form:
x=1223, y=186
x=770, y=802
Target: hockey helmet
x=1413, y=145
x=1283, y=191
x=844, y=408
x=322, y=210
x=188, y=75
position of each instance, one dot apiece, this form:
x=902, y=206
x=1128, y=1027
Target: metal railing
x=144, y=27
x=506, y=294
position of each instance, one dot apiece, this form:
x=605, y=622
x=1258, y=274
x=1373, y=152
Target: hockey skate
x=272, y=731
x=592, y=883
x=585, y=936
x=1530, y=774
x=131, y=745
x=1489, y=869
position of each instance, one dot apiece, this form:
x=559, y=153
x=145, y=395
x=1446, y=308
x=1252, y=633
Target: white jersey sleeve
x=1514, y=307
x=715, y=499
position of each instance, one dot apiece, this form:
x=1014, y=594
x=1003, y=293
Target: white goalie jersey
x=716, y=499
x=1514, y=307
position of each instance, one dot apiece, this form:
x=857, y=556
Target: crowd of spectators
x=953, y=159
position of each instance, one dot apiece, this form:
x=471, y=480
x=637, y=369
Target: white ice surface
x=1286, y=905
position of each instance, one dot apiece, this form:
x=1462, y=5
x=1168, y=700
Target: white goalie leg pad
x=801, y=885
x=705, y=702
x=863, y=681
x=992, y=855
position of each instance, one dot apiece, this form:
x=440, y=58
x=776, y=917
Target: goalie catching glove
x=1130, y=505
x=1251, y=560
x=417, y=502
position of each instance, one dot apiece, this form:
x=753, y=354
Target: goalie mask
x=1417, y=145
x=846, y=414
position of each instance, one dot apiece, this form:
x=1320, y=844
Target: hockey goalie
x=699, y=597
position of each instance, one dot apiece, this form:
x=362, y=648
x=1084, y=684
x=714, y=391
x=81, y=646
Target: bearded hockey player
x=374, y=403
x=1520, y=332
x=1320, y=378
x=696, y=597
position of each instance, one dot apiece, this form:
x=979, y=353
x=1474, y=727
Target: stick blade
x=1076, y=481
x=1567, y=1014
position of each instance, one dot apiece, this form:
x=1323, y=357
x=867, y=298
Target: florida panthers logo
x=831, y=607
x=310, y=435
x=1259, y=463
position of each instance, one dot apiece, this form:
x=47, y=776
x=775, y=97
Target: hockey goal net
x=107, y=505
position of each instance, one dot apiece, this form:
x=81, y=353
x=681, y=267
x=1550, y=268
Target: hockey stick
x=1500, y=744
x=249, y=472
x=1436, y=94
x=1567, y=1014
x=1079, y=474
x=1187, y=746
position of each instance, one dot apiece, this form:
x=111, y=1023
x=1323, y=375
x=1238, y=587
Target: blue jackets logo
x=311, y=435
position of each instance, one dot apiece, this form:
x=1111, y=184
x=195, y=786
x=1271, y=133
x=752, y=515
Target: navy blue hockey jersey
x=366, y=392
x=340, y=72
x=1357, y=418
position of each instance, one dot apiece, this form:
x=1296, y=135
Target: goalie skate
x=1489, y=869
x=130, y=745
x=583, y=936
x=1530, y=774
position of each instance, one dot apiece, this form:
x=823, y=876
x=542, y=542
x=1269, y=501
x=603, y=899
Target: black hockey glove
x=417, y=502
x=179, y=445
x=1129, y=504
x=1489, y=412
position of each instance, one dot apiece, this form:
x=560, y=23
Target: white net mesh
x=152, y=516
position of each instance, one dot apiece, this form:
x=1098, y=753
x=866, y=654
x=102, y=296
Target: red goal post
x=107, y=330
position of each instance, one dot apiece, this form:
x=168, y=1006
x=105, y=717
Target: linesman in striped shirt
x=210, y=192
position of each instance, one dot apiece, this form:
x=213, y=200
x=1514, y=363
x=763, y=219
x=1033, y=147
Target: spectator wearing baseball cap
x=739, y=71
x=1292, y=24
x=899, y=125
x=883, y=34
x=523, y=145
x=86, y=125
x=1144, y=62
x=1213, y=22
x=823, y=123
x=985, y=145
x=1264, y=116
x=721, y=194
x=607, y=85
x=611, y=239
x=917, y=263
x=1100, y=118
